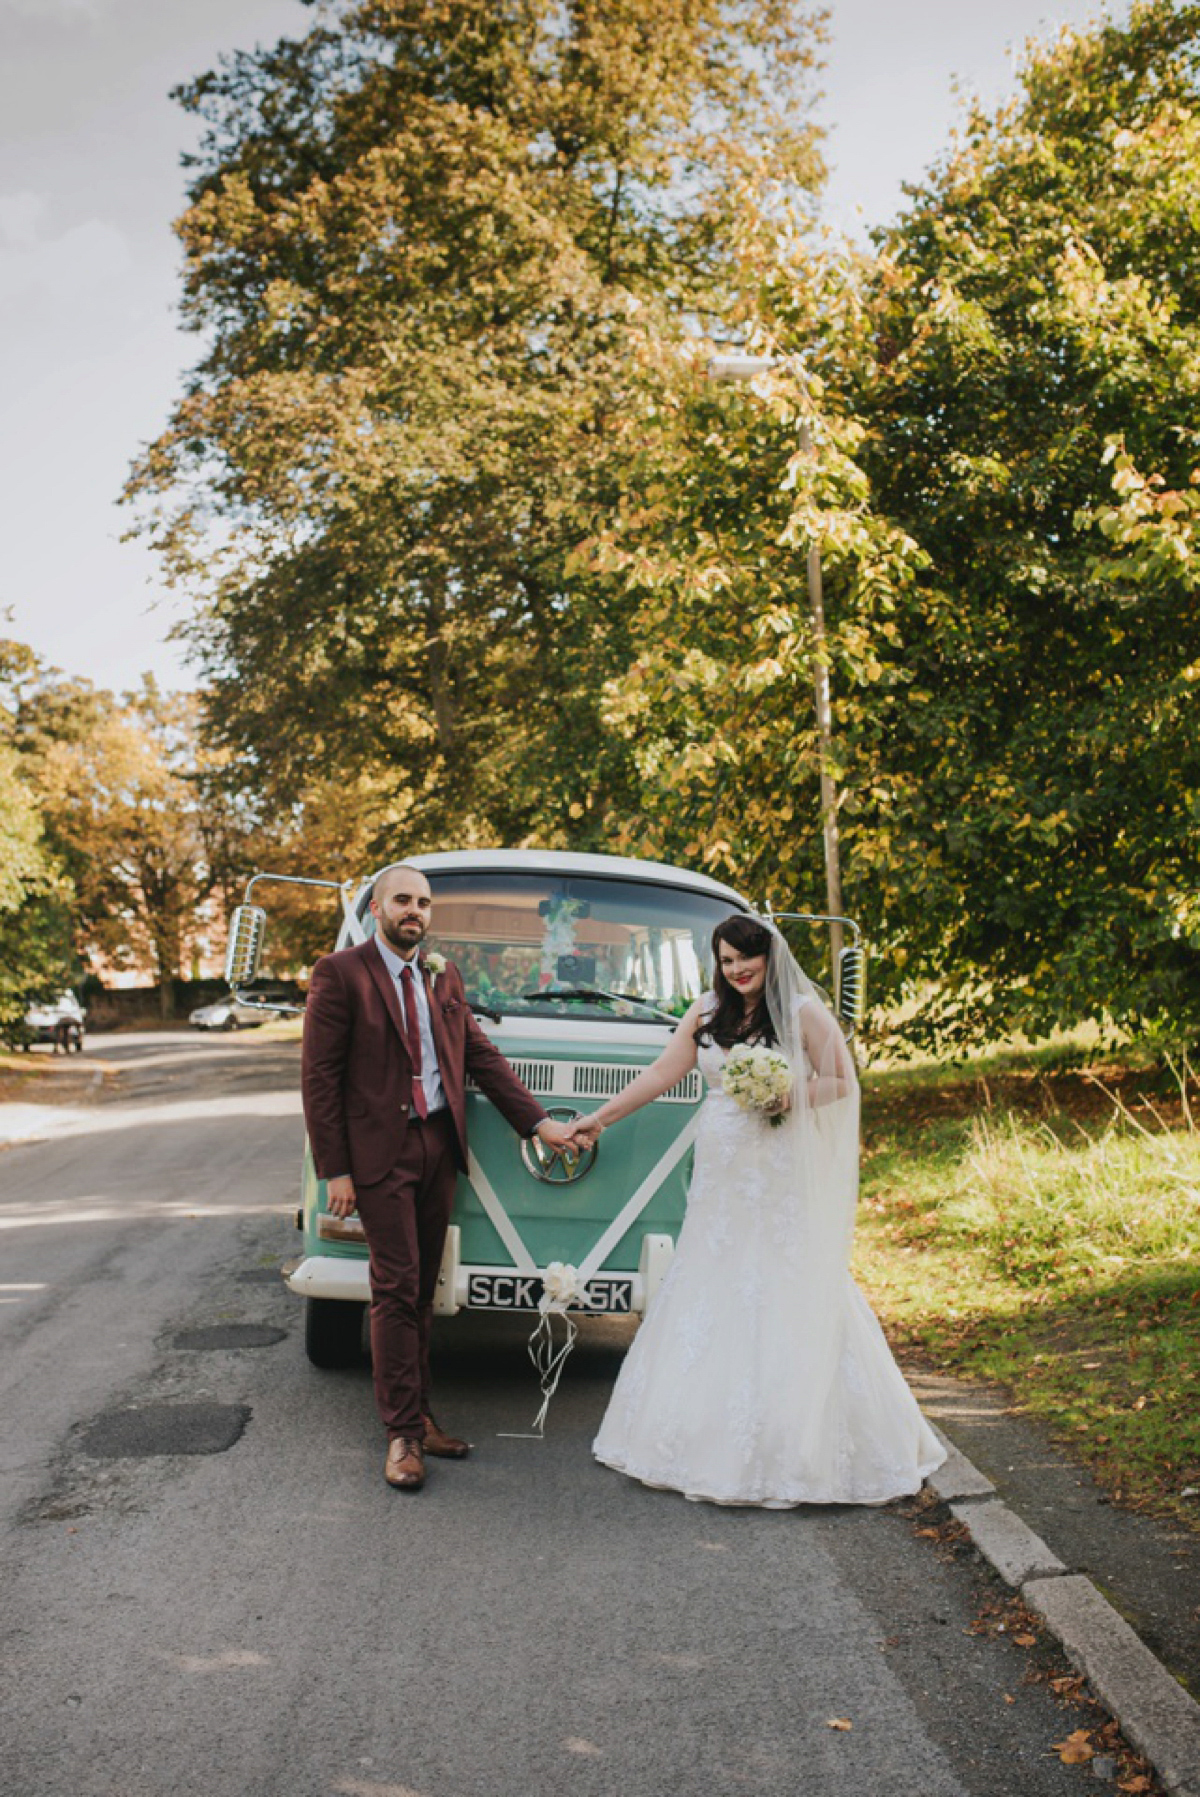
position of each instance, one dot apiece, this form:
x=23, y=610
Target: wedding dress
x=760, y=1375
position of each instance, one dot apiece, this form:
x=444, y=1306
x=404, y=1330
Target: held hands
x=569, y=1138
x=559, y=1136
x=587, y=1132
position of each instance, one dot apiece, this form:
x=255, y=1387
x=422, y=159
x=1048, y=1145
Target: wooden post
x=744, y=367
x=824, y=711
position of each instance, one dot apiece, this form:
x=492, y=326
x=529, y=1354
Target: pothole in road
x=230, y=1335
x=155, y=1429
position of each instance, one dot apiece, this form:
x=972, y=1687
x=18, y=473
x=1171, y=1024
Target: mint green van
x=578, y=967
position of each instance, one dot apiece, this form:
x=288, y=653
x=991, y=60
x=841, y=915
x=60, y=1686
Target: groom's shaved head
x=389, y=877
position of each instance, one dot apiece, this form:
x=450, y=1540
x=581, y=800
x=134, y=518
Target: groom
x=388, y=1043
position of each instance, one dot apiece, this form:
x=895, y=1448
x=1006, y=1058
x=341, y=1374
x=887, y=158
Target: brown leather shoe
x=405, y=1465
x=443, y=1446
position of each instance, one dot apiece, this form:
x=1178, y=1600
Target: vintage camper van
x=578, y=968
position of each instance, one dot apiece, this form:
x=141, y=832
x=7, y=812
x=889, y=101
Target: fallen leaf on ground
x=840, y=1723
x=1076, y=1750
x=1025, y=1640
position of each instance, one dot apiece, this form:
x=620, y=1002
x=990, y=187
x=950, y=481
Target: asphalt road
x=267, y=1617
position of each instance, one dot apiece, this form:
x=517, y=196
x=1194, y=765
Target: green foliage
x=36, y=961
x=1036, y=751
x=1057, y=1253
x=123, y=809
x=123, y=789
x=727, y=490
x=482, y=556
x=1002, y=496
x=22, y=860
x=423, y=243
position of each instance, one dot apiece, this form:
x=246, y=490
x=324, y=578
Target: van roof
x=559, y=861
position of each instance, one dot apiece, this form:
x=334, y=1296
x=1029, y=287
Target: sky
x=91, y=356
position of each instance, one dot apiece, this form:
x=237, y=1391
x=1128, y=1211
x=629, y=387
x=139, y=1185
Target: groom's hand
x=341, y=1195
x=555, y=1135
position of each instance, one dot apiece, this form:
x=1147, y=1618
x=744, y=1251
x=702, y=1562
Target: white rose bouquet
x=758, y=1079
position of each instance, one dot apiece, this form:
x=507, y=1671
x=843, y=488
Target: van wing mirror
x=247, y=927
x=852, y=986
x=850, y=974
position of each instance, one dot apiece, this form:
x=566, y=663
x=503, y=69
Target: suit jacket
x=357, y=1074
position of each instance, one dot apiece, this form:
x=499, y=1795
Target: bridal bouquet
x=758, y=1079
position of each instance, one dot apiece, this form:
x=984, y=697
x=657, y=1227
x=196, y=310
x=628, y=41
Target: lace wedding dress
x=760, y=1375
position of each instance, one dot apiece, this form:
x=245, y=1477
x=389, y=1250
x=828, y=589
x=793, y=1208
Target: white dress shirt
x=431, y=1077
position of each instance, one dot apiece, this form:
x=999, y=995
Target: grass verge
x=1043, y=1230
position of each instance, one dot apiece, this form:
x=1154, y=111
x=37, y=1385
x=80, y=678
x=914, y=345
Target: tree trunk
x=440, y=681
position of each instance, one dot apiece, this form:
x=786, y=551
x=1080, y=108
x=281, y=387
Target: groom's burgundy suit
x=357, y=1082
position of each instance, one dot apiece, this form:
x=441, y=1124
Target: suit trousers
x=405, y=1216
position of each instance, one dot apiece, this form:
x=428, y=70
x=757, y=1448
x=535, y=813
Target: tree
x=725, y=493
x=36, y=960
x=1036, y=309
x=423, y=244
x=123, y=811
x=1002, y=492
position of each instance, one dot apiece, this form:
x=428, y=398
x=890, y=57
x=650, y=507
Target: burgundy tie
x=413, y=1028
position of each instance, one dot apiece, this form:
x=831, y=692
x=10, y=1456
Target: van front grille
x=538, y=1076
x=601, y=1082
x=592, y=1079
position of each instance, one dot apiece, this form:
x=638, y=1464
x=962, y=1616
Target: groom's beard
x=403, y=936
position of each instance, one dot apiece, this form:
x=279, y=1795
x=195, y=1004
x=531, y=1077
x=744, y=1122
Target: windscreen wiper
x=592, y=995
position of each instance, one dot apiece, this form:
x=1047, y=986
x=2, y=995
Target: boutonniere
x=436, y=963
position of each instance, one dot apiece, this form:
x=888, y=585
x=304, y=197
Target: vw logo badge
x=552, y=1167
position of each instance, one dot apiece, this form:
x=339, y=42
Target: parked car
x=228, y=1013
x=61, y=1023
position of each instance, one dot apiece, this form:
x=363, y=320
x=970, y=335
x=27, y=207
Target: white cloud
x=20, y=215
x=80, y=261
x=55, y=9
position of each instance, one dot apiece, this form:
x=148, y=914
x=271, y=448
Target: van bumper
x=327, y=1276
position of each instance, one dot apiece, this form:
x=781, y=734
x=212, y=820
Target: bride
x=760, y=1375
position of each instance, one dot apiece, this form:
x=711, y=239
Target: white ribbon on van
x=565, y=1287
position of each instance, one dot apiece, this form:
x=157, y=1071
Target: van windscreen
x=534, y=944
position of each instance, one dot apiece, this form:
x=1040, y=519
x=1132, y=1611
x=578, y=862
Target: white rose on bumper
x=561, y=1286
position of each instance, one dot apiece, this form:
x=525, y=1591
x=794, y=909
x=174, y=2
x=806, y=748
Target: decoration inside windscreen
x=561, y=915
x=577, y=970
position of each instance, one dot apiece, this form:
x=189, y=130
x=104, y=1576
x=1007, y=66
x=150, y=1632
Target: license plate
x=611, y=1295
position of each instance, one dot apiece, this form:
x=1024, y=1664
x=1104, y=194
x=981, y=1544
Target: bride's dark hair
x=728, y=1024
